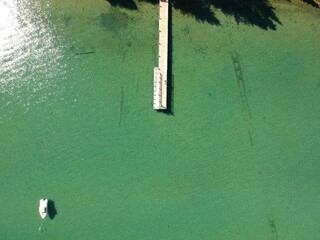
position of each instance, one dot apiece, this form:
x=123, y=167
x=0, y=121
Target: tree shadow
x=129, y=4
x=52, y=211
x=258, y=13
x=312, y=3
x=200, y=9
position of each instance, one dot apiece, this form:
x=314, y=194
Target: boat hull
x=43, y=207
x=43, y=215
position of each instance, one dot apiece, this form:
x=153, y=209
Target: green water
x=237, y=159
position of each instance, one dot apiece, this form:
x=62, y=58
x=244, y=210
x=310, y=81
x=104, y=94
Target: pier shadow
x=52, y=211
x=170, y=77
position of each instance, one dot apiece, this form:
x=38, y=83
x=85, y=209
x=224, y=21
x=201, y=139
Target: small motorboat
x=43, y=207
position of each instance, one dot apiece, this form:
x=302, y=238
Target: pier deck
x=161, y=72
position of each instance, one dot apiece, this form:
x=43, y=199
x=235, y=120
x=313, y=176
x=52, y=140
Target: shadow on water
x=199, y=9
x=310, y=2
x=170, y=77
x=52, y=211
x=258, y=13
x=313, y=3
x=129, y=4
x=252, y=12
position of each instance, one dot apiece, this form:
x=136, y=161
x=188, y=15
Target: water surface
x=236, y=159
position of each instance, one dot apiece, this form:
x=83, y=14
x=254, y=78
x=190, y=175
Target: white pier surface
x=161, y=72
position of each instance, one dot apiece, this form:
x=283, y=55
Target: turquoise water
x=237, y=158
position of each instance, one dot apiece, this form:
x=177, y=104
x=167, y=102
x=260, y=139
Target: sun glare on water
x=30, y=52
x=8, y=24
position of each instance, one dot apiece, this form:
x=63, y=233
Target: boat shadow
x=52, y=211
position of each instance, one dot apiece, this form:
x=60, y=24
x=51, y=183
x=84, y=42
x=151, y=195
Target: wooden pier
x=161, y=72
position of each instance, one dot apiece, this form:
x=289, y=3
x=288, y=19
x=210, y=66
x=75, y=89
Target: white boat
x=43, y=207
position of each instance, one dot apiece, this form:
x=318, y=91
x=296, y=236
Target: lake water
x=236, y=158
